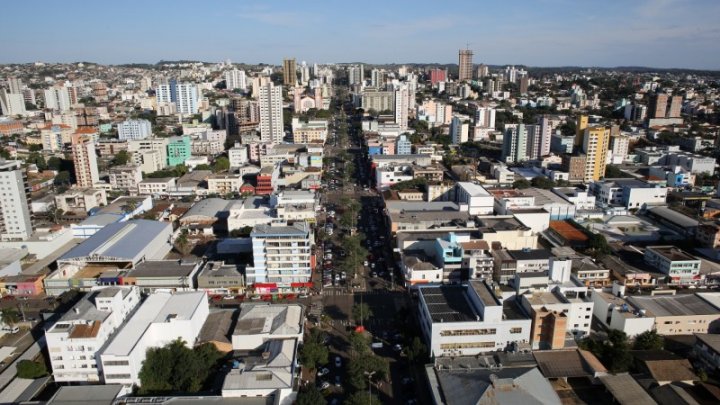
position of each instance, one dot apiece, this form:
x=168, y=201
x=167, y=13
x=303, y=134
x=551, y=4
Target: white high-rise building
x=163, y=93
x=304, y=73
x=85, y=161
x=11, y=103
x=134, y=129
x=401, y=107
x=235, y=79
x=547, y=126
x=187, y=98
x=15, y=219
x=485, y=117
x=281, y=254
x=75, y=340
x=271, y=115
x=515, y=144
x=459, y=130
x=356, y=74
x=15, y=85
x=377, y=78
x=57, y=98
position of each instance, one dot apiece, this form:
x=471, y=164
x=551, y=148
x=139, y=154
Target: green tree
x=598, y=244
x=129, y=207
x=4, y=154
x=177, y=368
x=613, y=352
x=9, y=316
x=182, y=243
x=361, y=312
x=310, y=396
x=612, y=172
x=31, y=369
x=121, y=158
x=37, y=159
x=62, y=178
x=221, y=164
x=54, y=163
x=417, y=351
x=542, y=182
x=362, y=398
x=359, y=343
x=521, y=184
x=368, y=363
x=649, y=340
x=313, y=353
x=203, y=167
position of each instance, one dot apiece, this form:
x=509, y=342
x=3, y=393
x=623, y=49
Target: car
x=228, y=297
x=372, y=265
x=338, y=362
x=324, y=385
x=397, y=347
x=337, y=381
x=365, y=263
x=407, y=380
x=323, y=371
x=373, y=274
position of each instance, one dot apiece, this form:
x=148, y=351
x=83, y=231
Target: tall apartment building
x=658, y=105
x=57, y=98
x=482, y=71
x=281, y=255
x=134, y=129
x=485, y=117
x=596, y=141
x=179, y=149
x=150, y=154
x=183, y=95
x=465, y=64
x=75, y=340
x=125, y=177
x=675, y=107
x=15, y=219
x=377, y=78
x=15, y=85
x=356, y=74
x=546, y=127
x=437, y=75
x=235, y=79
x=459, y=130
x=515, y=142
x=271, y=117
x=378, y=100
x=85, y=161
x=289, y=72
x=11, y=103
x=402, y=107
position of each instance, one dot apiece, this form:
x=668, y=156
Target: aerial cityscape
x=488, y=214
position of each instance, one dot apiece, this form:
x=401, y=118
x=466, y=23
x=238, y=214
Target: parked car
x=338, y=362
x=323, y=371
x=324, y=385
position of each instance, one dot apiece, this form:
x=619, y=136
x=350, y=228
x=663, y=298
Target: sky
x=608, y=33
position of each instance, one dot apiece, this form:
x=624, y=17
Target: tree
x=313, y=352
x=310, y=396
x=521, y=184
x=182, y=243
x=612, y=172
x=203, y=167
x=62, y=178
x=417, y=351
x=221, y=164
x=599, y=245
x=54, y=163
x=361, y=312
x=177, y=368
x=31, y=369
x=121, y=158
x=359, y=342
x=129, y=207
x=614, y=352
x=542, y=182
x=362, y=398
x=4, y=154
x=367, y=363
x=37, y=159
x=649, y=340
x=9, y=316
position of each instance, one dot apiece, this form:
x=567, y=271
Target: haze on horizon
x=652, y=33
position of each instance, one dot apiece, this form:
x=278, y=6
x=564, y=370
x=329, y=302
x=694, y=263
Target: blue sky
x=658, y=33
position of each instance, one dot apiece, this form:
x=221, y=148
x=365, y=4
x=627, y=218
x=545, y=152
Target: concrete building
x=238, y=156
x=134, y=129
x=682, y=314
x=260, y=323
x=11, y=104
x=162, y=318
x=680, y=267
x=402, y=107
x=125, y=177
x=467, y=320
x=616, y=313
x=85, y=161
x=295, y=205
x=15, y=215
x=554, y=316
x=459, y=129
x=596, y=140
x=271, y=116
x=235, y=79
x=75, y=340
x=465, y=63
x=289, y=72
x=515, y=142
x=628, y=193
x=156, y=186
x=179, y=150
x=313, y=131
x=403, y=146
x=80, y=200
x=216, y=277
x=282, y=258
x=474, y=197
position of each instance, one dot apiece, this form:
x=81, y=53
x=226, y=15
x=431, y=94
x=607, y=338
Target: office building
x=289, y=72
x=85, y=161
x=465, y=64
x=162, y=318
x=75, y=340
x=681, y=314
x=467, y=320
x=282, y=257
x=134, y=129
x=403, y=146
x=11, y=103
x=235, y=79
x=680, y=267
x=15, y=218
x=271, y=115
x=179, y=149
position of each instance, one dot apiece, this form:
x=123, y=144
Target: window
x=117, y=363
x=515, y=330
x=117, y=376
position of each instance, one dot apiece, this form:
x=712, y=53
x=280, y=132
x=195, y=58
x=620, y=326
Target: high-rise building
x=485, y=117
x=403, y=146
x=15, y=218
x=57, y=98
x=582, y=123
x=179, y=149
x=465, y=64
x=658, y=105
x=377, y=78
x=281, y=255
x=378, y=100
x=134, y=129
x=85, y=161
x=545, y=131
x=187, y=98
x=596, y=140
x=304, y=73
x=271, y=116
x=490, y=86
x=524, y=84
x=15, y=85
x=235, y=79
x=356, y=75
x=401, y=107
x=11, y=103
x=437, y=75
x=675, y=107
x=482, y=71
x=459, y=130
x=515, y=143
x=289, y=72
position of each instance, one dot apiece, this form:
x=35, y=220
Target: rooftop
x=710, y=340
x=475, y=190
x=626, y=390
x=277, y=319
x=448, y=303
x=675, y=305
x=673, y=216
x=209, y=207
x=86, y=395
x=297, y=229
x=568, y=363
x=672, y=253
x=217, y=327
x=482, y=290
x=162, y=268
x=531, y=254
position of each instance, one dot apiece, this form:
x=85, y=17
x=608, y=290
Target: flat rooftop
x=675, y=305
x=448, y=303
x=279, y=319
x=162, y=268
x=530, y=254
x=672, y=253
x=482, y=290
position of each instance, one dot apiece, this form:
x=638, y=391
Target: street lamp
x=369, y=375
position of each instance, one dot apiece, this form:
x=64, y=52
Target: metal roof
x=626, y=390
x=209, y=207
x=676, y=305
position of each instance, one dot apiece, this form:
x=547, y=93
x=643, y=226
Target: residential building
x=284, y=321
x=595, y=144
x=378, y=100
x=289, y=72
x=76, y=339
x=616, y=313
x=134, y=129
x=282, y=257
x=619, y=145
x=125, y=177
x=437, y=75
x=15, y=215
x=163, y=275
x=162, y=318
x=465, y=63
x=156, y=186
x=11, y=103
x=238, y=156
x=467, y=320
x=402, y=107
x=629, y=193
x=459, y=130
x=179, y=150
x=554, y=316
x=403, y=146
x=562, y=144
x=186, y=98
x=85, y=161
x=57, y=98
x=80, y=200
x=515, y=141
x=217, y=277
x=313, y=131
x=150, y=154
x=574, y=165
x=295, y=205
x=485, y=117
x=271, y=116
x=235, y=79
x=680, y=267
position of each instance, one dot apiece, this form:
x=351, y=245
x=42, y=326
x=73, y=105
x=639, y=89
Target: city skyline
x=652, y=33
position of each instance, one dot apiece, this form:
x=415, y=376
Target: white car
x=325, y=385
x=365, y=263
x=323, y=371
